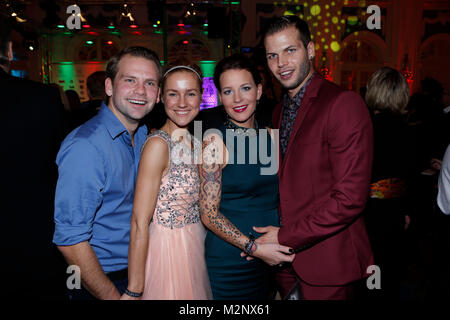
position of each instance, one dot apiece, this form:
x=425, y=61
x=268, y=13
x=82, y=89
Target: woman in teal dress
x=239, y=190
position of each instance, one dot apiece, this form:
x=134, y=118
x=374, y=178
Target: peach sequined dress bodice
x=178, y=198
x=175, y=267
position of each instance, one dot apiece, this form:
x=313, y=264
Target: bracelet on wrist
x=250, y=246
x=133, y=294
x=254, y=247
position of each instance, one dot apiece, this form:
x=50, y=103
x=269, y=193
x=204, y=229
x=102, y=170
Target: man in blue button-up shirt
x=98, y=164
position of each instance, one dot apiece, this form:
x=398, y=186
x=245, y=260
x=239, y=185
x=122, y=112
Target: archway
x=191, y=49
x=361, y=55
x=436, y=48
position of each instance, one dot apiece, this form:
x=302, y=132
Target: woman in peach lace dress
x=166, y=253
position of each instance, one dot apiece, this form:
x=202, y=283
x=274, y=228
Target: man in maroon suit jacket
x=326, y=159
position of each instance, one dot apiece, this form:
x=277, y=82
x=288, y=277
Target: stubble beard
x=303, y=73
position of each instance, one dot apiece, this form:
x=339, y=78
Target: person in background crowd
x=266, y=103
x=32, y=131
x=74, y=100
x=95, y=85
x=429, y=133
x=387, y=209
x=444, y=184
x=428, y=125
x=64, y=99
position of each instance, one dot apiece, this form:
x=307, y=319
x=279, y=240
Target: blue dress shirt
x=97, y=167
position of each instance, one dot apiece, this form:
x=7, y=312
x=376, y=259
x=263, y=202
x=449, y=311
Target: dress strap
x=160, y=134
x=166, y=137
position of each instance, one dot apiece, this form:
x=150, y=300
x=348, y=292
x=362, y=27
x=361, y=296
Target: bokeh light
x=335, y=46
x=352, y=20
x=315, y=10
x=326, y=20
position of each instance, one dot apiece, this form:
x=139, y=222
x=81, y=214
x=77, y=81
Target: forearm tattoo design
x=210, y=194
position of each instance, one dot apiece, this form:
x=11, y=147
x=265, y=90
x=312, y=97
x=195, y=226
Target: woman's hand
x=436, y=164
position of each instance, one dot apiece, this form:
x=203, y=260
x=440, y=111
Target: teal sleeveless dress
x=248, y=199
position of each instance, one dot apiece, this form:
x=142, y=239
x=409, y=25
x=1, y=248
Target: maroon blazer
x=324, y=184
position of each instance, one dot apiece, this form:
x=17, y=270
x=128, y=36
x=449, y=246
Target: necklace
x=241, y=130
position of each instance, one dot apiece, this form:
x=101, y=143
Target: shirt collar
x=112, y=123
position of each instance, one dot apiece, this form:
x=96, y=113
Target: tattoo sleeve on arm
x=210, y=194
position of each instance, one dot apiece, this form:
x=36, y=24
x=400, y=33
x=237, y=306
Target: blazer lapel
x=307, y=101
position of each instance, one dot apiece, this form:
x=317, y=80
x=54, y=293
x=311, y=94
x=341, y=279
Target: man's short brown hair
x=111, y=68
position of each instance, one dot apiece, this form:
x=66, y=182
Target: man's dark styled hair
x=236, y=62
x=111, y=68
x=278, y=24
x=5, y=38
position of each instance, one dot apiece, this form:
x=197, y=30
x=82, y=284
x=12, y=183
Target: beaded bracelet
x=133, y=294
x=249, y=245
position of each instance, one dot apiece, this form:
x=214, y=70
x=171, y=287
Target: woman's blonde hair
x=387, y=89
